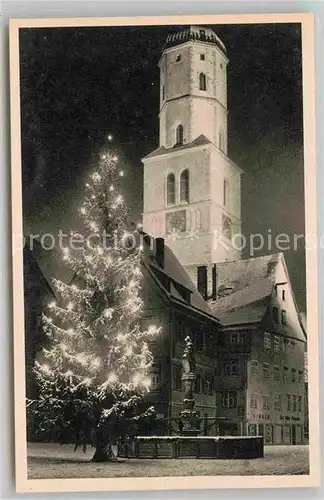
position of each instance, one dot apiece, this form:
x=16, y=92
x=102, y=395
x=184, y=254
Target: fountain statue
x=189, y=417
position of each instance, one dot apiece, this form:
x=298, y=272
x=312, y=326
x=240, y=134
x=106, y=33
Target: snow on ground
x=51, y=461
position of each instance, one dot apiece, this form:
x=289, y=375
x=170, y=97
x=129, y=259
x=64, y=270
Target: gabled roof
x=250, y=283
x=175, y=283
x=199, y=141
x=244, y=289
x=251, y=294
x=240, y=274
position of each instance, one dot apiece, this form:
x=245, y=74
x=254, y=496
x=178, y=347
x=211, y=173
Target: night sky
x=80, y=84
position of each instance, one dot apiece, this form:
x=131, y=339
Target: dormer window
x=202, y=33
x=202, y=81
x=179, y=135
x=178, y=58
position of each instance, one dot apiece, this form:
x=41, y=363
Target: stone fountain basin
x=219, y=447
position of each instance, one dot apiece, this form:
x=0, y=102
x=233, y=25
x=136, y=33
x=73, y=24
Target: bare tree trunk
x=103, y=451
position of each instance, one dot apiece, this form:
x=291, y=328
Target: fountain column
x=189, y=416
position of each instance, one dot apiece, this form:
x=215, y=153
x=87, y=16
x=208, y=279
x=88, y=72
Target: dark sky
x=80, y=84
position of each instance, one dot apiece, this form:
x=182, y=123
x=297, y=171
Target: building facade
x=192, y=199
x=191, y=188
x=174, y=304
x=261, y=372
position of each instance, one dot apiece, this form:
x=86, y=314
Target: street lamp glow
x=109, y=137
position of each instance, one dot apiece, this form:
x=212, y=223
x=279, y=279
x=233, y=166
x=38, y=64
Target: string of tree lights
x=93, y=372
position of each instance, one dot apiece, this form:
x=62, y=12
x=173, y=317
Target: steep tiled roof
x=253, y=313
x=244, y=287
x=174, y=269
x=244, y=290
x=199, y=141
x=242, y=273
x=175, y=275
x=245, y=296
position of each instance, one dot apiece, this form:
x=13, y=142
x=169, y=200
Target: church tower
x=192, y=190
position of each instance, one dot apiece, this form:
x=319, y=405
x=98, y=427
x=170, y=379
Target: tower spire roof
x=194, y=33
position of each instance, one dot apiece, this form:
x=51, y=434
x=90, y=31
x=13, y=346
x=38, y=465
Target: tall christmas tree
x=94, y=371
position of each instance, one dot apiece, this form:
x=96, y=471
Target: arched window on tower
x=221, y=140
x=202, y=81
x=184, y=186
x=170, y=189
x=179, y=135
